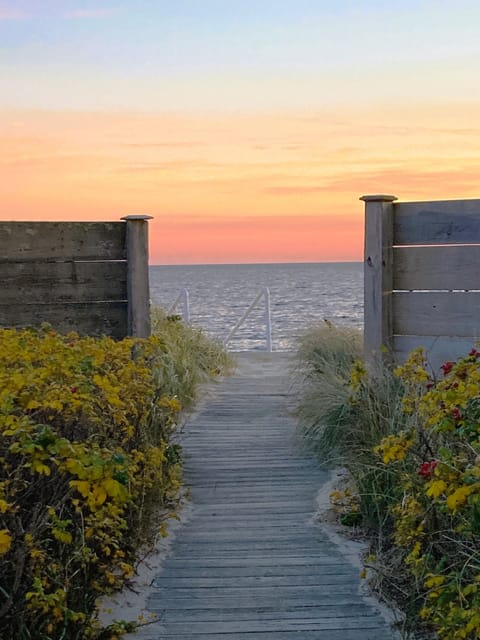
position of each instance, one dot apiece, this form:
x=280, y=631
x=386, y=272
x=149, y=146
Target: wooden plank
x=215, y=627
x=436, y=314
x=76, y=281
x=94, y=318
x=149, y=633
x=378, y=277
x=21, y=241
x=292, y=613
x=441, y=222
x=255, y=581
x=447, y=267
x=438, y=349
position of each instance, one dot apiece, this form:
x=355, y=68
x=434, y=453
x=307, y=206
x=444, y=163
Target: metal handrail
x=184, y=298
x=264, y=293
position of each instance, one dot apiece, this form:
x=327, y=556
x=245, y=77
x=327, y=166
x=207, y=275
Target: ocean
x=300, y=296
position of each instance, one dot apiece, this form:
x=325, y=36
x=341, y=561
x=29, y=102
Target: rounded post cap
x=379, y=197
x=139, y=216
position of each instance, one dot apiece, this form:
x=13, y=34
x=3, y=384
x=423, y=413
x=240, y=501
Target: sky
x=247, y=129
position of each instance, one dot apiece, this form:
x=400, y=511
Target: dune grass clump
x=325, y=357
x=190, y=357
x=88, y=467
x=342, y=414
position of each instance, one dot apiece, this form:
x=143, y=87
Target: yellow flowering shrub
x=85, y=463
x=437, y=520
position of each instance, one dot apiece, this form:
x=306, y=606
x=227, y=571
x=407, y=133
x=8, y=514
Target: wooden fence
x=89, y=277
x=422, y=278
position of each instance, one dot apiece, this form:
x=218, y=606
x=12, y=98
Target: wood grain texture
x=21, y=241
x=250, y=562
x=442, y=222
x=94, y=318
x=378, y=279
x=36, y=282
x=447, y=267
x=438, y=349
x=436, y=314
x=138, y=282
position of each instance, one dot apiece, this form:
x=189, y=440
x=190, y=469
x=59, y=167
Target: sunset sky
x=248, y=129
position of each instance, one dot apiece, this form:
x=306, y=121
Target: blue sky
x=258, y=54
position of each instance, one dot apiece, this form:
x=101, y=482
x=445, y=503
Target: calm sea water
x=301, y=295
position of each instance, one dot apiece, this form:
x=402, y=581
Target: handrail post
x=138, y=289
x=186, y=306
x=378, y=279
x=268, y=319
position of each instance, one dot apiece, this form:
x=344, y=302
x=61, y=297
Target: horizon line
x=236, y=264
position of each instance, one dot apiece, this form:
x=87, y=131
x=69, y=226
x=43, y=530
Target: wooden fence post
x=378, y=279
x=137, y=276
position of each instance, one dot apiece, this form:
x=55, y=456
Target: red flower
x=429, y=385
x=456, y=413
x=474, y=353
x=426, y=468
x=447, y=367
x=73, y=389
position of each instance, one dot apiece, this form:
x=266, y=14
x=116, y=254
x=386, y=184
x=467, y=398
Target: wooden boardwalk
x=250, y=563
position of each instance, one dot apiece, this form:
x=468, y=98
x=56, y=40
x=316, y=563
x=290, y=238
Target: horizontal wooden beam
x=447, y=267
x=36, y=282
x=442, y=222
x=50, y=241
x=438, y=349
x=93, y=318
x=436, y=314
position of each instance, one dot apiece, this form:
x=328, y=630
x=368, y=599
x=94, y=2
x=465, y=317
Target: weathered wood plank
x=257, y=626
x=62, y=241
x=232, y=593
x=267, y=560
x=438, y=349
x=378, y=277
x=35, y=282
x=249, y=600
x=447, y=267
x=331, y=634
x=441, y=222
x=95, y=319
x=255, y=581
x=263, y=572
x=266, y=613
x=436, y=314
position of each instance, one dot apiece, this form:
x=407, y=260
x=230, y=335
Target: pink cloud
x=92, y=13
x=13, y=14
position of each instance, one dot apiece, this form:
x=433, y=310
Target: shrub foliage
x=412, y=445
x=86, y=464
